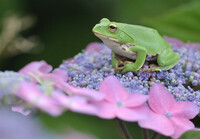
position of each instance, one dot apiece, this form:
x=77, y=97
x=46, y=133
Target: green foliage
x=104, y=129
x=101, y=128
x=181, y=22
x=191, y=135
x=9, y=6
x=133, y=11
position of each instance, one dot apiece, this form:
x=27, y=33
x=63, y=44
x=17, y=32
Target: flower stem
x=145, y=133
x=155, y=136
x=123, y=129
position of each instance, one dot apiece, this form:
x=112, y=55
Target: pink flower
x=194, y=45
x=52, y=94
x=92, y=47
x=76, y=103
x=119, y=103
x=61, y=73
x=80, y=100
x=41, y=66
x=174, y=41
x=167, y=116
x=83, y=92
x=34, y=96
x=40, y=73
x=39, y=93
x=57, y=76
x=21, y=109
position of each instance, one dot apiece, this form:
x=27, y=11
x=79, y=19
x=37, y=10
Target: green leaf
x=182, y=22
x=191, y=135
x=101, y=128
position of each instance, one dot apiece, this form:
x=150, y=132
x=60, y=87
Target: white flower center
x=168, y=114
x=119, y=103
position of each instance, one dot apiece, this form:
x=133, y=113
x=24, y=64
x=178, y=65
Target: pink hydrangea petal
x=32, y=95
x=160, y=99
x=106, y=110
x=174, y=41
x=20, y=109
x=61, y=73
x=196, y=129
x=194, y=45
x=113, y=89
x=181, y=125
x=131, y=115
x=92, y=47
x=184, y=109
x=90, y=94
x=49, y=77
x=70, y=60
x=158, y=123
x=135, y=99
x=42, y=66
x=45, y=68
x=76, y=103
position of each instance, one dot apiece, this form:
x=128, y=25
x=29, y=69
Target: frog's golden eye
x=112, y=28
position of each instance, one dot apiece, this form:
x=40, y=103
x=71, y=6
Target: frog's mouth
x=117, y=47
x=101, y=36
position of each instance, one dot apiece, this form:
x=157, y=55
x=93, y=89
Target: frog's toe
x=118, y=69
x=125, y=69
x=156, y=68
x=128, y=67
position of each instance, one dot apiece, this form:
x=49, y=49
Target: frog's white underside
x=118, y=48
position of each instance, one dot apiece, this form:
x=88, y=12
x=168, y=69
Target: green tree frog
x=136, y=43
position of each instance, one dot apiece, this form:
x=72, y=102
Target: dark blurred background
x=63, y=28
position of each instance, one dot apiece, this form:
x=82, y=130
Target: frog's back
x=146, y=37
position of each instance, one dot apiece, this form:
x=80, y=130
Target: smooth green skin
x=144, y=41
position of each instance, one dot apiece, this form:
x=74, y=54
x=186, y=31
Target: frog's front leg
x=141, y=55
x=114, y=60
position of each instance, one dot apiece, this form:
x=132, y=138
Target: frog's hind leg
x=167, y=59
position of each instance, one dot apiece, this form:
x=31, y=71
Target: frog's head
x=112, y=31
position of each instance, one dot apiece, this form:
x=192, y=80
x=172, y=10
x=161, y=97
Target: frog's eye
x=112, y=28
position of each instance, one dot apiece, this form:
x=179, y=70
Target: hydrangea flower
x=174, y=41
x=79, y=99
x=36, y=97
x=41, y=66
x=50, y=92
x=39, y=92
x=9, y=82
x=92, y=66
x=21, y=109
x=77, y=103
x=167, y=116
x=119, y=104
x=88, y=84
x=93, y=47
